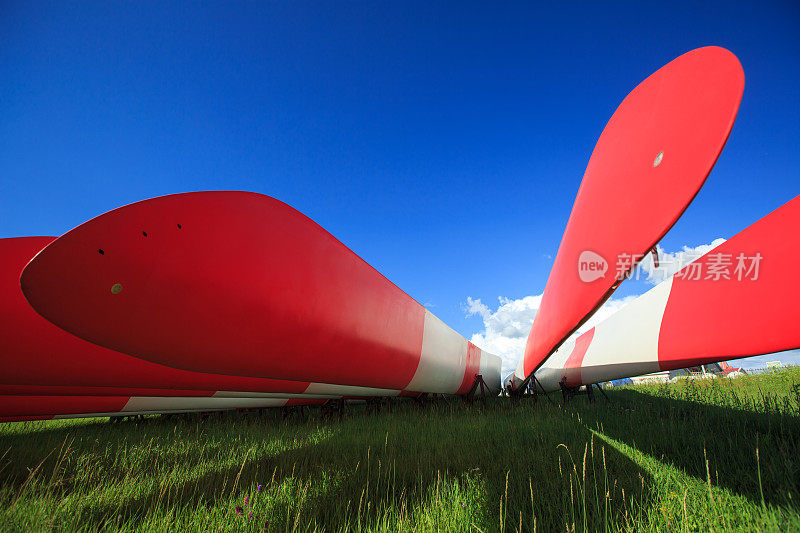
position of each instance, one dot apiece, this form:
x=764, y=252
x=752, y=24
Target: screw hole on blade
x=179, y=226
x=144, y=233
x=100, y=251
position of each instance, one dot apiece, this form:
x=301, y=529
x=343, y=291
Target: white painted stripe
x=490, y=370
x=626, y=344
x=133, y=413
x=153, y=403
x=154, y=406
x=330, y=390
x=551, y=372
x=279, y=395
x=443, y=360
x=519, y=372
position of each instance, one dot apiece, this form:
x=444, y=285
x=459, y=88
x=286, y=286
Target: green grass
x=695, y=456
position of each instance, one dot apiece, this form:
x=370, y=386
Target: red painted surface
x=38, y=354
x=472, y=368
x=228, y=282
x=572, y=367
x=17, y=408
x=38, y=390
x=707, y=320
x=299, y=401
x=30, y=406
x=24, y=418
x=625, y=204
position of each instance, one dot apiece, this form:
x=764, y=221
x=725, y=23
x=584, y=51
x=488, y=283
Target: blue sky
x=442, y=142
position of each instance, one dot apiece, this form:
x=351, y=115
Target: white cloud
x=505, y=330
x=669, y=263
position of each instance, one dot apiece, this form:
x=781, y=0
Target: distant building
x=774, y=364
x=713, y=370
x=655, y=377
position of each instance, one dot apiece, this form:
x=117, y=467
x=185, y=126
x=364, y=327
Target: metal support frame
x=537, y=383
x=373, y=405
x=567, y=392
x=422, y=400
x=331, y=409
x=531, y=388
x=478, y=385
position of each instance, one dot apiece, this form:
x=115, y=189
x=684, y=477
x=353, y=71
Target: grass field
x=694, y=456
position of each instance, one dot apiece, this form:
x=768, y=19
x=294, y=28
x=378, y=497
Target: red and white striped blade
x=649, y=163
x=241, y=284
x=39, y=359
x=738, y=300
x=18, y=408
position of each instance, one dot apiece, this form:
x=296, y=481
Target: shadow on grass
x=685, y=434
x=442, y=467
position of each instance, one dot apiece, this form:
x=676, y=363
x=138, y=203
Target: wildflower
x=245, y=501
x=259, y=488
x=463, y=504
x=239, y=510
x=250, y=515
